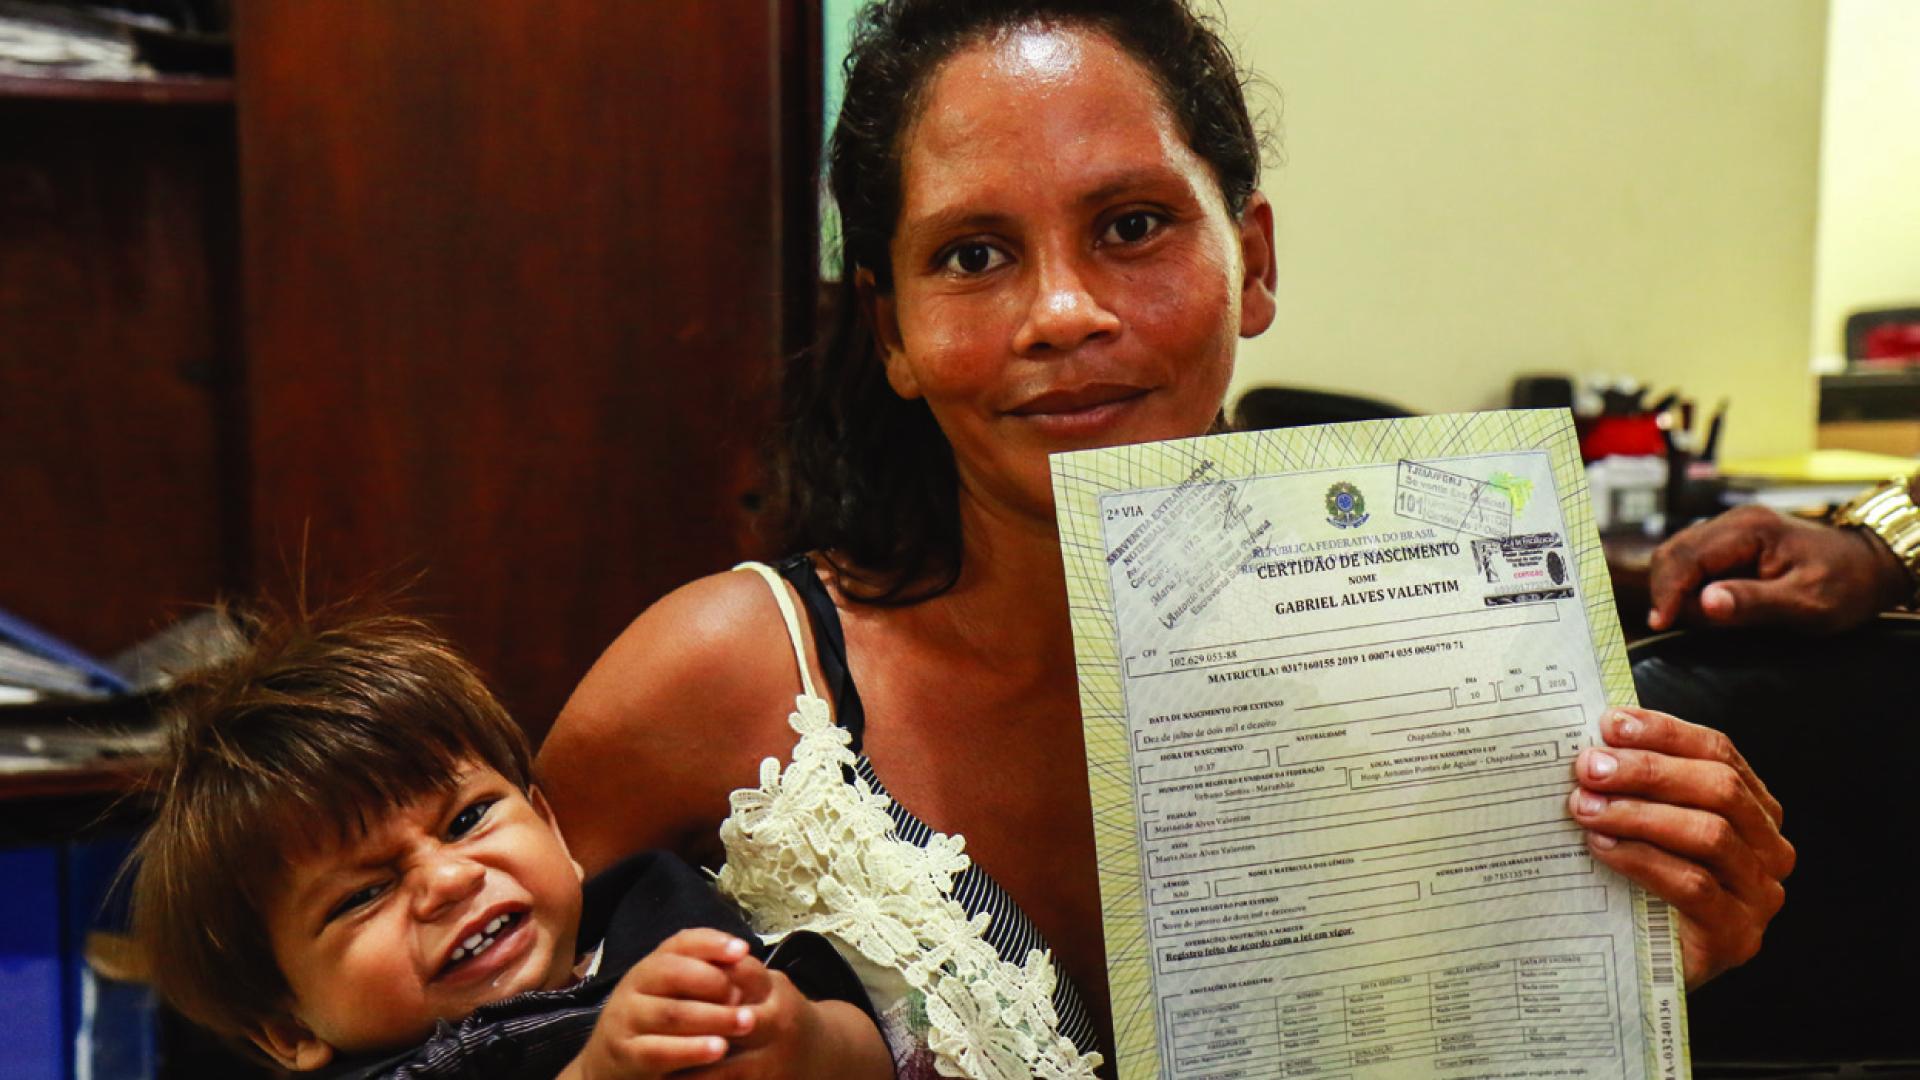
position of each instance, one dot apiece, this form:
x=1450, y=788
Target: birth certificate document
x=1334, y=680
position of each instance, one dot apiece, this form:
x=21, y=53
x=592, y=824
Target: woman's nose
x=1064, y=310
x=443, y=880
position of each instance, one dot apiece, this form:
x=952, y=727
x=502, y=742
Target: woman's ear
x=540, y=807
x=884, y=318
x=1261, y=273
x=292, y=1044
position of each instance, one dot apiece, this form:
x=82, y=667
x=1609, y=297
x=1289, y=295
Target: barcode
x=1660, y=941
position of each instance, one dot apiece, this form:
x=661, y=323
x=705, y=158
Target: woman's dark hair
x=865, y=475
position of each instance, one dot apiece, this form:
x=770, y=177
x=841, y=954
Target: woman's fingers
x=1719, y=929
x=1680, y=760
x=1711, y=855
x=1675, y=807
x=1656, y=765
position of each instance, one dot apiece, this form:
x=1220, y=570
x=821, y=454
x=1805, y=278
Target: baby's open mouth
x=483, y=940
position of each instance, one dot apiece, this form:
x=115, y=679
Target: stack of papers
x=35, y=665
x=26, y=677
x=45, y=41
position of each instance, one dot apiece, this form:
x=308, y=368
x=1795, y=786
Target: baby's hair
x=324, y=721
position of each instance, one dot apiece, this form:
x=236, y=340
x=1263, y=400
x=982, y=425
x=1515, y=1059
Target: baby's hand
x=675, y=1010
x=793, y=1038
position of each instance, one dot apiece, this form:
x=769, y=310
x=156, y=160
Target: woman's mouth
x=1080, y=400
x=1083, y=412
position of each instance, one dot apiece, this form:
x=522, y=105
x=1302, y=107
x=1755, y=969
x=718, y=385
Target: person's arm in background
x=1752, y=566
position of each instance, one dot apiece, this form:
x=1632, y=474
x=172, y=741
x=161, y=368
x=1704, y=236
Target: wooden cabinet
x=118, y=350
x=486, y=292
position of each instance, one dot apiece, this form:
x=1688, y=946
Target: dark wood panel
x=514, y=291
x=116, y=363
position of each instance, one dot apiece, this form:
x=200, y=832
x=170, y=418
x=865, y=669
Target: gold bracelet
x=1887, y=511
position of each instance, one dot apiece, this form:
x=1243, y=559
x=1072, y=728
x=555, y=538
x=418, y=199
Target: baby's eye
x=468, y=818
x=1131, y=228
x=359, y=898
x=973, y=258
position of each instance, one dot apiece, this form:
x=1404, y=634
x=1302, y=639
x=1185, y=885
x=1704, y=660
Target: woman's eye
x=465, y=821
x=1133, y=228
x=973, y=258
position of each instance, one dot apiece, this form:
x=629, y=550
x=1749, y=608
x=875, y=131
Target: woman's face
x=1066, y=272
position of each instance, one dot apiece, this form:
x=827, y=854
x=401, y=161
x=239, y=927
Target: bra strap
x=779, y=587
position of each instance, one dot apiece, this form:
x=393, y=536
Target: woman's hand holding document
x=1675, y=804
x=1335, y=681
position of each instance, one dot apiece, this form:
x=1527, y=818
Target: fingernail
x=1601, y=764
x=1626, y=725
x=743, y=1019
x=1602, y=841
x=1587, y=804
x=736, y=948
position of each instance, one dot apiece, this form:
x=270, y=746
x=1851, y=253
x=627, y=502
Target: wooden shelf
x=109, y=777
x=160, y=90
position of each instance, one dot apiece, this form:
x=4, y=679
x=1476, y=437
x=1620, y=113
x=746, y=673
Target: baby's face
x=444, y=905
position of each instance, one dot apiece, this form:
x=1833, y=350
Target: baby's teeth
x=473, y=942
x=494, y=926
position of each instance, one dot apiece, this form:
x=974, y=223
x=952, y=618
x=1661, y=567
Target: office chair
x=1828, y=724
x=1263, y=408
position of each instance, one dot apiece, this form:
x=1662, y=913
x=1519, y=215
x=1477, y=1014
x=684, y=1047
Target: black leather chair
x=1830, y=725
x=1263, y=408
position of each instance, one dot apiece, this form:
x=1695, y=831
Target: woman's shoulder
x=725, y=627
x=677, y=713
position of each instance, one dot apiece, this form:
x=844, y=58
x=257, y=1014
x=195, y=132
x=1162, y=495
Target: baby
x=352, y=870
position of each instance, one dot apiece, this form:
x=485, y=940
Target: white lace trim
x=806, y=850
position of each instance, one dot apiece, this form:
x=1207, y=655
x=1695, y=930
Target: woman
x=1054, y=240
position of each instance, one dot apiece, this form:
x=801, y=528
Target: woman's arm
x=1675, y=807
x=676, y=714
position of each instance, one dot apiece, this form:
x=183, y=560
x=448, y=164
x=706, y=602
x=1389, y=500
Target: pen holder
x=1694, y=490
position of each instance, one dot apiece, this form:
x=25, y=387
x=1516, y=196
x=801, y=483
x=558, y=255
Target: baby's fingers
x=693, y=964
x=752, y=981
x=704, y=943
x=657, y=1055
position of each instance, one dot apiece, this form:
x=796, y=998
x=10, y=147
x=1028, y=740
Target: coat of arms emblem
x=1346, y=507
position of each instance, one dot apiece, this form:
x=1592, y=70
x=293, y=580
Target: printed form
x=1347, y=671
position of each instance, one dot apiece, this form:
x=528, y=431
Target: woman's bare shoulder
x=676, y=714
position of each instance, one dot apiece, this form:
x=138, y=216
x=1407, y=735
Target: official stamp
x=1190, y=546
x=1457, y=503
